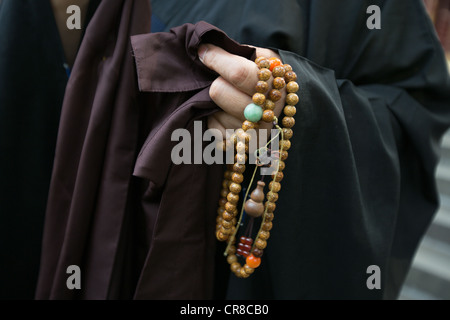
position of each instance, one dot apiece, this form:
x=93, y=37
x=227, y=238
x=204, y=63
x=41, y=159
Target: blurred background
x=429, y=277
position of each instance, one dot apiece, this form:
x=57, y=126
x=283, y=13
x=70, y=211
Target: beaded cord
x=227, y=222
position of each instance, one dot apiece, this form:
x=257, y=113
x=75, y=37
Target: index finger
x=237, y=70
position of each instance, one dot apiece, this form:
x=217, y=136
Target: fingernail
x=202, y=52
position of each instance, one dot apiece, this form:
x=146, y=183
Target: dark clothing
x=359, y=185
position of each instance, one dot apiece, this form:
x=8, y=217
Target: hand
x=232, y=91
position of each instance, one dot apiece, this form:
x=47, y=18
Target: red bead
x=274, y=62
x=253, y=262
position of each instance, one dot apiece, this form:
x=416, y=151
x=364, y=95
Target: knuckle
x=239, y=76
x=216, y=90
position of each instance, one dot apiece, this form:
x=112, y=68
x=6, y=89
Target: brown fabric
x=151, y=235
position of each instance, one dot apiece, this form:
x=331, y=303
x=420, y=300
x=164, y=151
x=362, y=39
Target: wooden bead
x=292, y=87
x=291, y=99
x=242, y=147
x=269, y=105
x=248, y=125
x=290, y=111
x=248, y=269
x=231, y=258
x=270, y=206
x=229, y=207
x=288, y=122
x=281, y=165
x=287, y=133
x=225, y=231
x=238, y=168
x=254, y=206
x=287, y=67
x=220, y=236
x=259, y=99
x=258, y=253
x=275, y=95
x=262, y=87
x=278, y=176
x=278, y=71
x=272, y=196
x=264, y=74
x=285, y=145
x=240, y=158
x=237, y=177
x=242, y=136
x=235, y=266
x=219, y=220
x=232, y=250
x=222, y=202
x=227, y=224
x=274, y=186
x=233, y=198
x=224, y=193
x=243, y=274
x=235, y=187
x=284, y=155
x=263, y=63
x=278, y=83
x=269, y=216
x=264, y=235
x=290, y=76
x=268, y=116
x=261, y=244
x=227, y=216
x=267, y=226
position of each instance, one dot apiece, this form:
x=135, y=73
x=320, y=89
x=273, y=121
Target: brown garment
x=137, y=225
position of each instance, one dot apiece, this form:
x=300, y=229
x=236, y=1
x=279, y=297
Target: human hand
x=232, y=91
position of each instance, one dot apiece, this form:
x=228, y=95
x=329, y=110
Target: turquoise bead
x=253, y=112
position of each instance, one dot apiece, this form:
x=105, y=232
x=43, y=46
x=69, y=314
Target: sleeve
x=374, y=106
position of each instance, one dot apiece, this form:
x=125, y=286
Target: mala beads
x=262, y=108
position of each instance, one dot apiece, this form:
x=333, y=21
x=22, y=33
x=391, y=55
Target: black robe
x=359, y=186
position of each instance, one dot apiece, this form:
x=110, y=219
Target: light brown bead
x=274, y=186
x=237, y=177
x=259, y=99
x=278, y=71
x=240, y=158
x=232, y=250
x=248, y=125
x=242, y=147
x=268, y=116
x=272, y=196
x=275, y=95
x=285, y=145
x=287, y=133
x=278, y=83
x=229, y=207
x=264, y=235
x=224, y=193
x=287, y=67
x=264, y=74
x=248, y=270
x=219, y=220
x=284, y=155
x=292, y=87
x=222, y=202
x=278, y=176
x=281, y=165
x=292, y=99
x=288, y=122
x=235, y=188
x=258, y=253
x=231, y=258
x=290, y=111
x=267, y=226
x=226, y=224
x=261, y=244
x=269, y=105
x=238, y=168
x=262, y=87
x=220, y=236
x=269, y=216
x=235, y=266
x=243, y=274
x=270, y=206
x=227, y=216
x=290, y=76
x=225, y=231
x=263, y=63
x=233, y=198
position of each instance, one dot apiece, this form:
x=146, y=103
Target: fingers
x=239, y=71
x=229, y=98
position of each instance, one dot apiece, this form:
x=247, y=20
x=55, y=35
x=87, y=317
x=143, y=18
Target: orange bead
x=252, y=261
x=274, y=62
